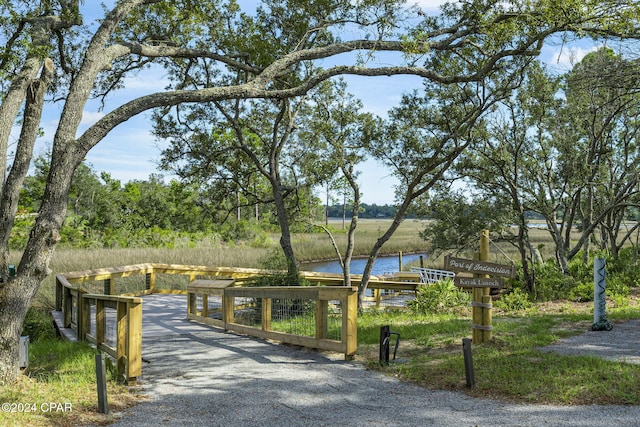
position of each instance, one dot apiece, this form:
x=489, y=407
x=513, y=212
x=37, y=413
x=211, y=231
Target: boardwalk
x=197, y=375
x=166, y=315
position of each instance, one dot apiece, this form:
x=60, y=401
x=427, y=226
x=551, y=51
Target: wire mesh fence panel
x=388, y=298
x=214, y=306
x=294, y=316
x=74, y=310
x=111, y=330
x=174, y=282
x=247, y=311
x=334, y=321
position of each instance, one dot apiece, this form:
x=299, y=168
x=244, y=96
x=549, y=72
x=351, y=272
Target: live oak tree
x=342, y=130
x=46, y=50
x=598, y=149
x=511, y=161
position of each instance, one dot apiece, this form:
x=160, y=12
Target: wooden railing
x=124, y=342
x=317, y=303
x=86, y=312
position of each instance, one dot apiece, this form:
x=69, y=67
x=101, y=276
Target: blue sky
x=131, y=152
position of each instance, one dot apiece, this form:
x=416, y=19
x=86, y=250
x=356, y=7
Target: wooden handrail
x=346, y=297
x=128, y=350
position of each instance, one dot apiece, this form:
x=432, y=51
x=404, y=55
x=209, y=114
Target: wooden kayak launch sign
x=478, y=282
x=463, y=265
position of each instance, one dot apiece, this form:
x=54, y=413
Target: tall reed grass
x=308, y=247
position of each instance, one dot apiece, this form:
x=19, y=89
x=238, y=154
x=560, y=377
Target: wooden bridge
x=117, y=308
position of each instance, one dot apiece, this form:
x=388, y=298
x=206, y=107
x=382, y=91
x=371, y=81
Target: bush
x=552, y=284
x=442, y=296
x=38, y=324
x=515, y=300
x=583, y=292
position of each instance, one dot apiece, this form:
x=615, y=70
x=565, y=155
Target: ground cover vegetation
x=245, y=90
x=431, y=330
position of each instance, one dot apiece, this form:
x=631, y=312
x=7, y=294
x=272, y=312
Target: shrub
x=552, y=284
x=442, y=296
x=583, y=292
x=515, y=300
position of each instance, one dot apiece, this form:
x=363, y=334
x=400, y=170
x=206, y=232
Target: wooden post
x=266, y=313
x=100, y=322
x=205, y=305
x=121, y=341
x=59, y=290
x=67, y=307
x=486, y=292
x=476, y=316
x=322, y=318
x=192, y=303
x=134, y=341
x=400, y=261
x=84, y=316
x=350, y=323
x=227, y=309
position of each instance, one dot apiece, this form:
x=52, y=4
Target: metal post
x=385, y=334
x=468, y=362
x=101, y=380
x=600, y=322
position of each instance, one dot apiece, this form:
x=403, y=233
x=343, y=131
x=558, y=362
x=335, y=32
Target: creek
x=382, y=264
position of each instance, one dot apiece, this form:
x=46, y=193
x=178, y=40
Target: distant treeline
x=366, y=211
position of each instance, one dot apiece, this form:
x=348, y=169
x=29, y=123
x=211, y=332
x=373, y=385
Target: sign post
x=479, y=278
x=485, y=297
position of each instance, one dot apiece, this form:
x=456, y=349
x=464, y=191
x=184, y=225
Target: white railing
x=430, y=275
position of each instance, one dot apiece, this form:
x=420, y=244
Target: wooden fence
x=250, y=311
x=90, y=314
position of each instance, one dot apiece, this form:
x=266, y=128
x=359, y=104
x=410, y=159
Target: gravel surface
x=213, y=378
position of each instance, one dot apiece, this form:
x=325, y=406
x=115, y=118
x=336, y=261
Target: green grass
x=511, y=367
x=63, y=374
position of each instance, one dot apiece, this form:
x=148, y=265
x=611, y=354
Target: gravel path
x=213, y=378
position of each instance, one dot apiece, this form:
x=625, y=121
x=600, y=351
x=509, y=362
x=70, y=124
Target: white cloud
x=153, y=82
x=90, y=117
x=568, y=56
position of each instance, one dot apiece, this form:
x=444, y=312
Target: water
x=383, y=264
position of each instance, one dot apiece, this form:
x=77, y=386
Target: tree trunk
x=366, y=275
x=346, y=270
x=285, y=231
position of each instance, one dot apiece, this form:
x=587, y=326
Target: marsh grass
x=511, y=367
x=309, y=247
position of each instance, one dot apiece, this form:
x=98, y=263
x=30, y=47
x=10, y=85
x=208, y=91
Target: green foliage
x=38, y=325
x=625, y=266
x=459, y=221
x=21, y=229
x=439, y=297
x=235, y=231
x=514, y=300
x=551, y=283
x=583, y=292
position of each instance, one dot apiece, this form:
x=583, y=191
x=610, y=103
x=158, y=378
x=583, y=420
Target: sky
x=130, y=152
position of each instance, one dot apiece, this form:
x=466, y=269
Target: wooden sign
x=478, y=267
x=478, y=282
